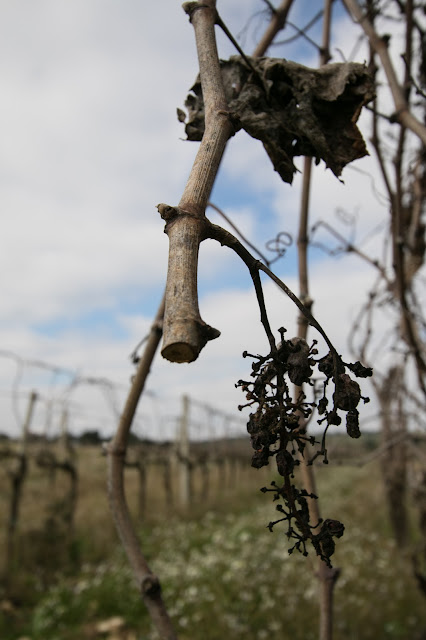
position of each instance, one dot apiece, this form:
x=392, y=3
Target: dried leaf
x=293, y=110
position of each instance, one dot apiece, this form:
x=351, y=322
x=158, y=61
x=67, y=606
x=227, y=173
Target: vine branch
x=185, y=333
x=403, y=114
x=116, y=451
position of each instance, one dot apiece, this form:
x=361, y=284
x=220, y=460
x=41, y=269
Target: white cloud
x=90, y=144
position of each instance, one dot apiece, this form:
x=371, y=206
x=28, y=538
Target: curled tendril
x=279, y=245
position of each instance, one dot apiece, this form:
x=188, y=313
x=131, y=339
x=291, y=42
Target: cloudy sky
x=90, y=143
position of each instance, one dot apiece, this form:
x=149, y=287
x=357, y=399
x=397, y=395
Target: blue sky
x=90, y=144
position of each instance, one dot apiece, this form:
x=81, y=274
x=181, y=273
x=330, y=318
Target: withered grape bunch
x=277, y=427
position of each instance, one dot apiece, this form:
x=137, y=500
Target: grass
x=224, y=575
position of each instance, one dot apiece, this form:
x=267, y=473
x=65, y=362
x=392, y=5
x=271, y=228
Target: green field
x=224, y=575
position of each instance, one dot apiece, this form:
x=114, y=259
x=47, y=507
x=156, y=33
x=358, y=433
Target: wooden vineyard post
x=27, y=422
x=17, y=477
x=183, y=455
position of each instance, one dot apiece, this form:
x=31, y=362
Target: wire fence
x=183, y=452
x=93, y=404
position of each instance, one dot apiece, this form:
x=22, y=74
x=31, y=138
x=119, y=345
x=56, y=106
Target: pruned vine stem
x=185, y=333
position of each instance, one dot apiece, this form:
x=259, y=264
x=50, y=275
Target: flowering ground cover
x=225, y=575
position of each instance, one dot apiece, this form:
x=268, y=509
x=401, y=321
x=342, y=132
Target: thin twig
x=261, y=301
x=220, y=23
x=300, y=32
x=402, y=111
x=146, y=580
x=327, y=575
x=227, y=239
x=238, y=232
x=277, y=23
x=349, y=248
